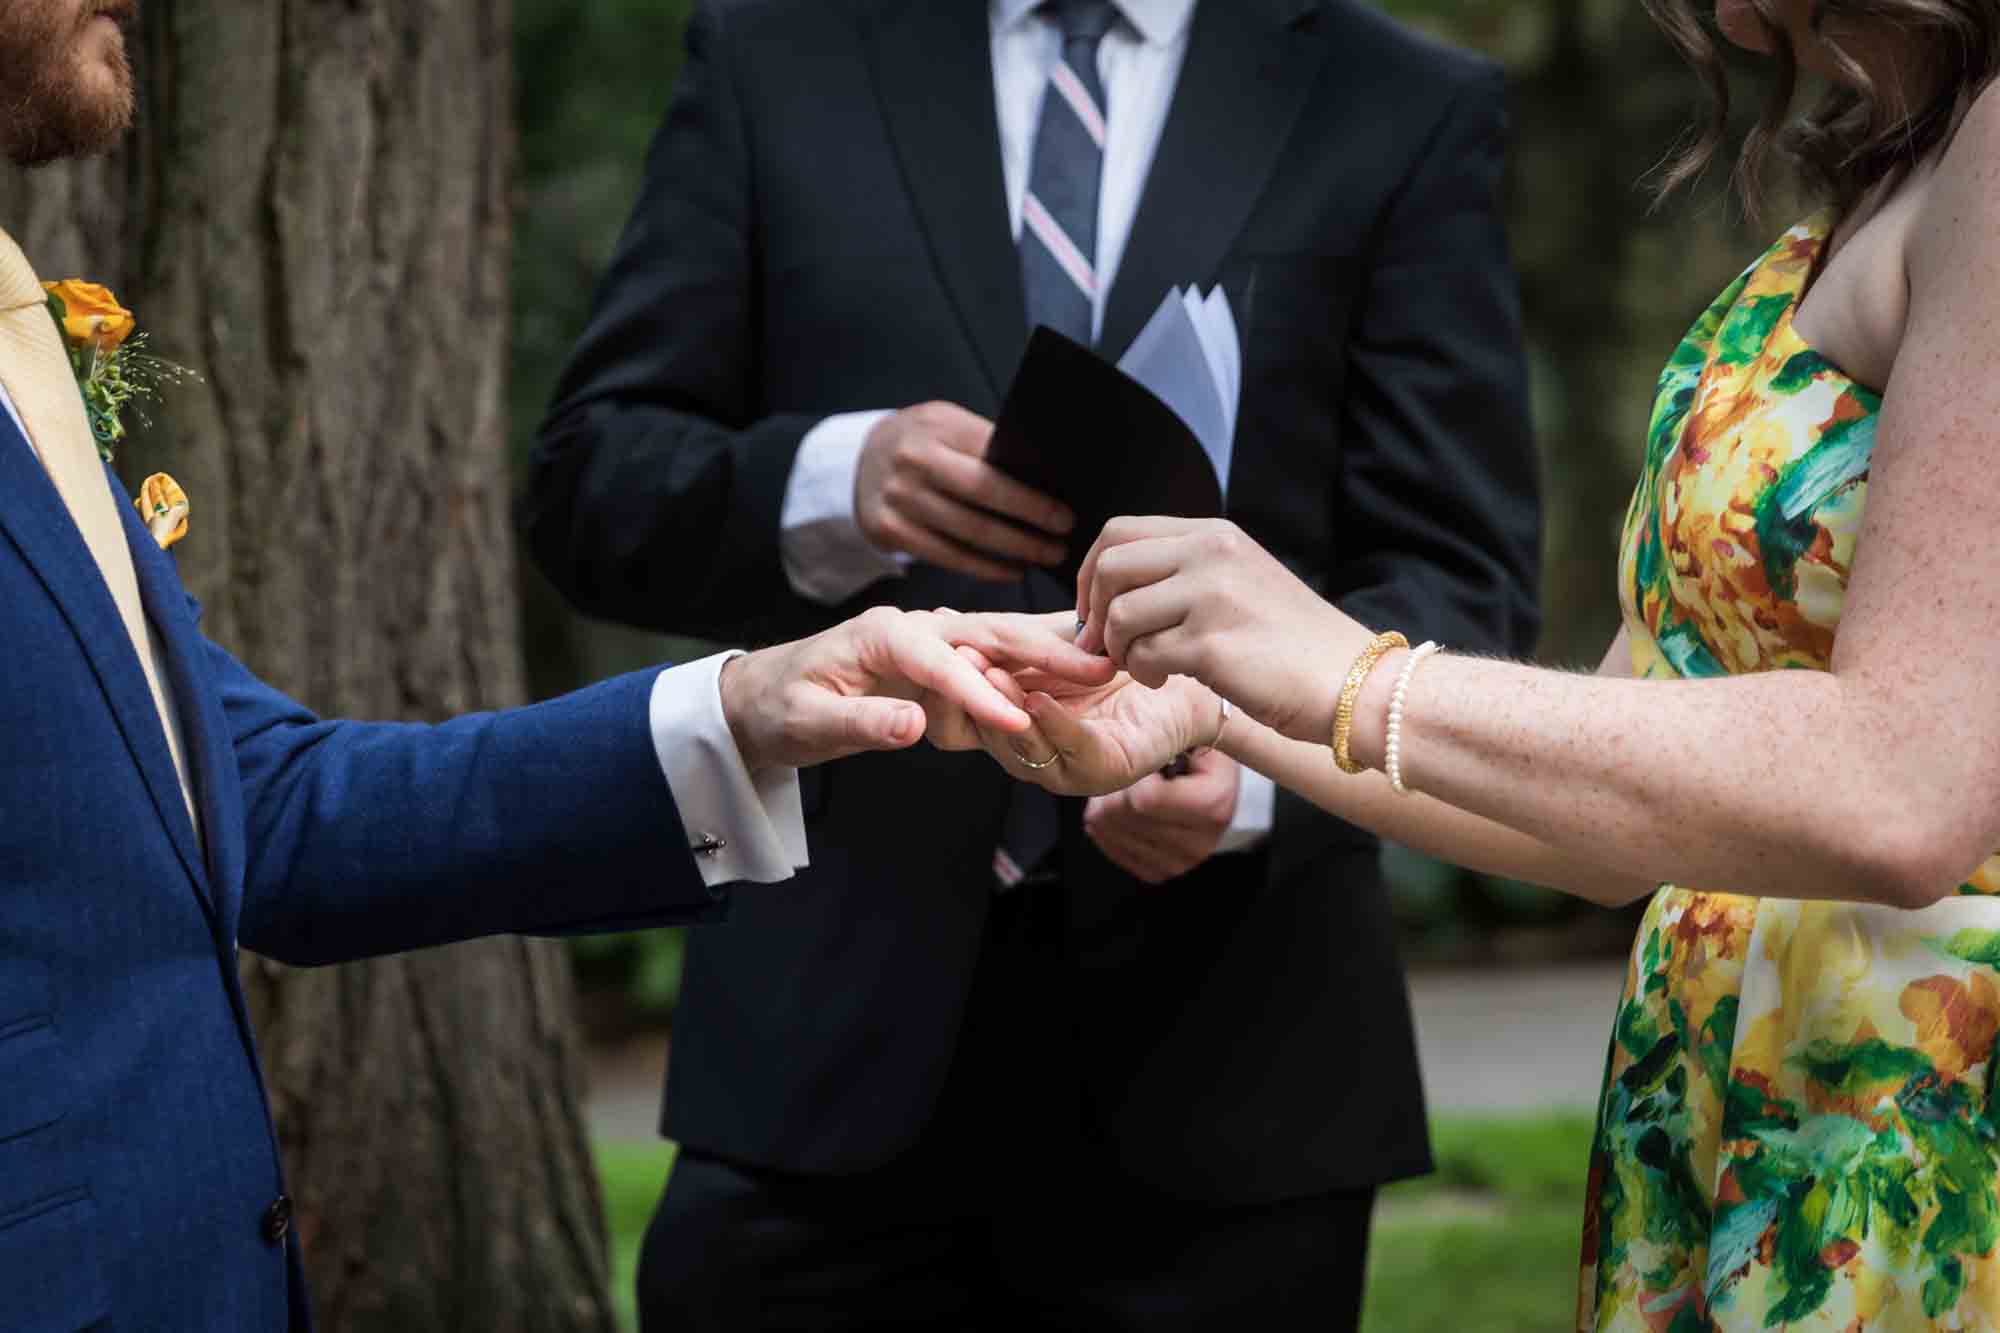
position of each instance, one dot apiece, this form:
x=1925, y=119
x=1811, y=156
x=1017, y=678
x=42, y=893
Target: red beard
x=58, y=105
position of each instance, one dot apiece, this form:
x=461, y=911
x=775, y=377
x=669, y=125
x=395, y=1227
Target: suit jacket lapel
x=933, y=69
x=38, y=523
x=1250, y=64
x=210, y=757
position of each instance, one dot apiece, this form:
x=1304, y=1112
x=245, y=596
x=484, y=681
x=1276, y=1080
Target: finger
x=1008, y=687
x=1184, y=848
x=947, y=726
x=1119, y=532
x=914, y=539
x=1132, y=616
x=839, y=726
x=970, y=478
x=1160, y=656
x=1160, y=802
x=1185, y=805
x=1028, y=643
x=953, y=733
x=1023, y=757
x=1105, y=811
x=1090, y=764
x=1177, y=850
x=978, y=659
x=918, y=655
x=980, y=531
x=1125, y=569
x=1163, y=856
x=1133, y=857
x=954, y=425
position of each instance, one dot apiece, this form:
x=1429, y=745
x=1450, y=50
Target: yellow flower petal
x=163, y=507
x=93, y=313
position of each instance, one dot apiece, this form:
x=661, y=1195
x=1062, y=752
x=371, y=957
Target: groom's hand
x=923, y=487
x=869, y=684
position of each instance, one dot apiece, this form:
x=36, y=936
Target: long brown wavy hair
x=1852, y=139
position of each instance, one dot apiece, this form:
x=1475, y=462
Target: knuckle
x=1204, y=652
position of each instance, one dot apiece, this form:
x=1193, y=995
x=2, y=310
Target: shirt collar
x=1158, y=22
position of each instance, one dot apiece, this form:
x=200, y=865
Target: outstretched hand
x=1087, y=737
x=875, y=683
x=1171, y=596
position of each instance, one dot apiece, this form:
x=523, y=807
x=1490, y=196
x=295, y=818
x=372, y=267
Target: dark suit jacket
x=137, y=1159
x=823, y=227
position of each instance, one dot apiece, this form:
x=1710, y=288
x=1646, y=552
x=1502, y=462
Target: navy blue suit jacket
x=136, y=1152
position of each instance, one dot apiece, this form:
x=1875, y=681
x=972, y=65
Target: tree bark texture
x=314, y=216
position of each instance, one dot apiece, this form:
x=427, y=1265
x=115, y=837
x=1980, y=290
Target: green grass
x=633, y=1175
x=1486, y=1245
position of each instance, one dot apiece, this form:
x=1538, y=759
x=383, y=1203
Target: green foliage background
x=1609, y=286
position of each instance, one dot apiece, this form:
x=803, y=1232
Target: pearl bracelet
x=1393, y=761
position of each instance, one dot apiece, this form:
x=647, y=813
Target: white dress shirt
x=756, y=818
x=826, y=557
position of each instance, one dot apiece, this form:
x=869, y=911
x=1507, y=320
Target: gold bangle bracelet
x=1350, y=692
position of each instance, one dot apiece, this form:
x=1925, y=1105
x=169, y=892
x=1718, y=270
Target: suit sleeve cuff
x=1256, y=811
x=827, y=559
x=745, y=827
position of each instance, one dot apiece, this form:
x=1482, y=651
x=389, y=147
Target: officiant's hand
x=870, y=684
x=923, y=487
x=1163, y=827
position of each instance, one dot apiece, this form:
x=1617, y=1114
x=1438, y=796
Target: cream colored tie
x=36, y=371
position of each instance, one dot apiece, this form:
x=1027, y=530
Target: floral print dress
x=1798, y=1126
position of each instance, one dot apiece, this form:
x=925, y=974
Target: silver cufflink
x=708, y=845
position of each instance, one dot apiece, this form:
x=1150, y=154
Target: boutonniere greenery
x=113, y=367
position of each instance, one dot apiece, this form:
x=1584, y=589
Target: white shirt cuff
x=1256, y=811
x=826, y=557
x=755, y=821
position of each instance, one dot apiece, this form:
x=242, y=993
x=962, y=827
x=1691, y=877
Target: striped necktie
x=1059, y=268
x=1059, y=214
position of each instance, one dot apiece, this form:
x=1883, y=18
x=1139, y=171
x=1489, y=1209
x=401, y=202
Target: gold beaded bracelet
x=1350, y=693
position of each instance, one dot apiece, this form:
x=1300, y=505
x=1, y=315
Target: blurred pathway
x=1492, y=1040
x=1507, y=1040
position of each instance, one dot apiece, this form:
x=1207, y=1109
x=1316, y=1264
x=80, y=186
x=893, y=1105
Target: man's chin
x=86, y=133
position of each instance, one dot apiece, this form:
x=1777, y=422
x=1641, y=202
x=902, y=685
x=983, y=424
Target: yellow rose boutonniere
x=91, y=314
x=163, y=507
x=113, y=367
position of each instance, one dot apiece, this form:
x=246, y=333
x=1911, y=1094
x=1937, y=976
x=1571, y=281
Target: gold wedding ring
x=1030, y=764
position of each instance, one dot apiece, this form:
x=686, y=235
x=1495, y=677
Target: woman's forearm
x=1762, y=784
x=1422, y=823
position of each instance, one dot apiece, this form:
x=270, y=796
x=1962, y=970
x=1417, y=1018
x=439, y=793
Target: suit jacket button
x=278, y=1220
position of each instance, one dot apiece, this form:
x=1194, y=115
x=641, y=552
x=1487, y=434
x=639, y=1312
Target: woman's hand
x=1102, y=737
x=1197, y=597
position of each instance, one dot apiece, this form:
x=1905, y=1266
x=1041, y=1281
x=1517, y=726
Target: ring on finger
x=1030, y=764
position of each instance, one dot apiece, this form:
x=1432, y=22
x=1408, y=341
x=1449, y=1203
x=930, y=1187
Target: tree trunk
x=314, y=217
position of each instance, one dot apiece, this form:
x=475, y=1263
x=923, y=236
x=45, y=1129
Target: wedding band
x=1031, y=765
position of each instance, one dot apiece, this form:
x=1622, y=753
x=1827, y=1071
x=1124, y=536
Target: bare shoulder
x=1960, y=198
